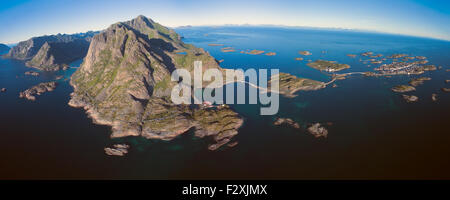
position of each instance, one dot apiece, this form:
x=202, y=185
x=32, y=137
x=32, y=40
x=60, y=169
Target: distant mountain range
x=3, y=48
x=53, y=52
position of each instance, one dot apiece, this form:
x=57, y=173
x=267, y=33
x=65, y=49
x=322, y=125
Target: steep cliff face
x=51, y=52
x=124, y=82
x=54, y=56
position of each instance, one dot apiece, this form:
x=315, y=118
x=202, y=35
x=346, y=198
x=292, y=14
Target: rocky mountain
x=52, y=52
x=3, y=48
x=124, y=82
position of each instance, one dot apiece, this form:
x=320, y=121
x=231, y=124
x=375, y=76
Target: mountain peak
x=125, y=80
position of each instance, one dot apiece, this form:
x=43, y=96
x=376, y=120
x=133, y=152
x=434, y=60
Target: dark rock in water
x=445, y=89
x=410, y=98
x=288, y=121
x=117, y=150
x=51, y=53
x=3, y=90
x=318, y=130
x=4, y=47
x=334, y=85
x=125, y=82
x=37, y=90
x=31, y=73
x=434, y=97
x=447, y=81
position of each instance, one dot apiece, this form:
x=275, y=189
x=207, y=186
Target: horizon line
x=247, y=24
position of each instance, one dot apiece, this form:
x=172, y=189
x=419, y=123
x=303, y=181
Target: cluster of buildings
x=400, y=68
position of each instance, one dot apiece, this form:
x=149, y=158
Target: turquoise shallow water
x=374, y=133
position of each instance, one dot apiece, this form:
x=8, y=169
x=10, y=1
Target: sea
x=372, y=132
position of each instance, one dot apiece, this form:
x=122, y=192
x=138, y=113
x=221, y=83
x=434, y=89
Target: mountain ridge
x=51, y=52
x=124, y=82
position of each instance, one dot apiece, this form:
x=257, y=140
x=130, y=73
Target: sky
x=23, y=19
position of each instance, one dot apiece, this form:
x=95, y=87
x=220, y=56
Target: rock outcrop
x=403, y=88
x=124, y=82
x=287, y=121
x=31, y=73
x=410, y=98
x=305, y=53
x=117, y=150
x=31, y=93
x=318, y=130
x=434, y=97
x=54, y=52
x=418, y=81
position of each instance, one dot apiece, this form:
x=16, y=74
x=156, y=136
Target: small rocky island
x=253, y=52
x=434, y=97
x=410, y=98
x=280, y=121
x=117, y=150
x=31, y=73
x=418, y=81
x=403, y=88
x=227, y=49
x=318, y=130
x=328, y=66
x=290, y=84
x=39, y=89
x=305, y=53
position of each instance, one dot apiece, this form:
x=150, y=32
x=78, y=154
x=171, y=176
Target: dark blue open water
x=375, y=134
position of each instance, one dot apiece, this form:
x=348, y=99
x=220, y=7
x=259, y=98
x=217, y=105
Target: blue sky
x=22, y=19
